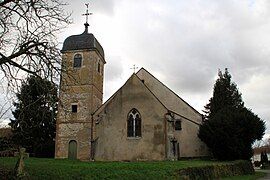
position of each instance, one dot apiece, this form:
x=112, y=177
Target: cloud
x=104, y=6
x=5, y=108
x=190, y=41
x=114, y=68
x=184, y=43
x=256, y=95
x=97, y=7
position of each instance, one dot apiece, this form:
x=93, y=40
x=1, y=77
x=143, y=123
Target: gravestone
x=19, y=168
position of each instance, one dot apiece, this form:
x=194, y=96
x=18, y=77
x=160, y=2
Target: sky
x=183, y=44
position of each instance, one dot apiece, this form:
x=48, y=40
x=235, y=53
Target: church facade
x=143, y=120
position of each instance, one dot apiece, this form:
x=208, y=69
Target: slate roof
x=84, y=41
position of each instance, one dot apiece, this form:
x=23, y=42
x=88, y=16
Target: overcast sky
x=184, y=43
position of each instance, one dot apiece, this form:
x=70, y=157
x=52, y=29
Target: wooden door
x=72, y=150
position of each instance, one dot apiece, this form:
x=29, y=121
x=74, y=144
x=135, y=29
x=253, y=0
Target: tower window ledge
x=134, y=138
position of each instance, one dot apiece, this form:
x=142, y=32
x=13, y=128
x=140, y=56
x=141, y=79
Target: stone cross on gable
x=19, y=168
x=134, y=68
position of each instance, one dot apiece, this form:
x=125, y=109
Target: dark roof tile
x=84, y=41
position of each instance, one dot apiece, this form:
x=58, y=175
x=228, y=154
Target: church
x=142, y=121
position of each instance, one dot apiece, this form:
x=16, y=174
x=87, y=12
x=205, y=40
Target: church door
x=72, y=150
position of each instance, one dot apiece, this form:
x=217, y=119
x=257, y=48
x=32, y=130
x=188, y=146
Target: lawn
x=257, y=175
x=65, y=169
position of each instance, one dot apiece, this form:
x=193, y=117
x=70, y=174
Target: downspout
x=91, y=139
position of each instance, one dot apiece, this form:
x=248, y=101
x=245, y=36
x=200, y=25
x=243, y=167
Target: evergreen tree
x=225, y=95
x=229, y=128
x=35, y=117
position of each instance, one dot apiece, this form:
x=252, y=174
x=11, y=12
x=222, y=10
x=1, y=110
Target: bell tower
x=81, y=93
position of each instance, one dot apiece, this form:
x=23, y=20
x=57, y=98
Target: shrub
x=217, y=171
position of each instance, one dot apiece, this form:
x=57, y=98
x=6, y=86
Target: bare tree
x=6, y=100
x=28, y=42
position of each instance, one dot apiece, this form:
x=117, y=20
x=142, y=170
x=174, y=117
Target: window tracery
x=134, y=123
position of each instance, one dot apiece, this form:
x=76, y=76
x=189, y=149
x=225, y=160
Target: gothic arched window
x=134, y=123
x=77, y=61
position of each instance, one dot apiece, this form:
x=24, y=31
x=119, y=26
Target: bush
x=8, y=153
x=217, y=171
x=6, y=174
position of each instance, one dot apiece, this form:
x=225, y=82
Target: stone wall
x=189, y=143
x=82, y=87
x=112, y=143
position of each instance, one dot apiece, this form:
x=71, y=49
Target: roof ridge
x=164, y=104
x=151, y=92
x=169, y=90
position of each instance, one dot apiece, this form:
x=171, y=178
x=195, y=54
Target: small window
x=134, y=124
x=98, y=68
x=77, y=61
x=74, y=108
x=177, y=125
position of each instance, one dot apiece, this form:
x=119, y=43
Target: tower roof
x=84, y=41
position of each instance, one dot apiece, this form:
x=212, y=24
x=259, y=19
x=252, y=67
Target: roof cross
x=87, y=13
x=134, y=68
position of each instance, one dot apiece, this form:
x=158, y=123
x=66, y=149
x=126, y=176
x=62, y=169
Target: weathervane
x=87, y=14
x=134, y=68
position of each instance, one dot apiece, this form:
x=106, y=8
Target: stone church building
x=143, y=120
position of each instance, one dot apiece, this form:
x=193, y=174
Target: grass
x=255, y=176
x=65, y=169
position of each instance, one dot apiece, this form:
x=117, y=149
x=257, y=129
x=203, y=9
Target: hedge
x=216, y=171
